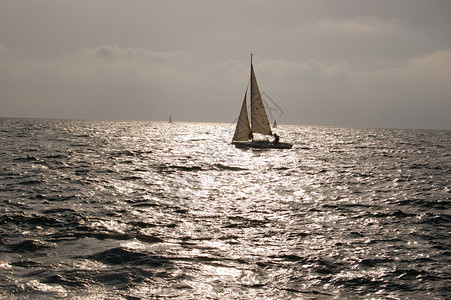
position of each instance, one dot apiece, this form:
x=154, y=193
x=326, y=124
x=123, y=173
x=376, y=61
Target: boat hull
x=262, y=145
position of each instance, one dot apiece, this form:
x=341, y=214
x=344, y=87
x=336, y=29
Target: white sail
x=243, y=128
x=259, y=119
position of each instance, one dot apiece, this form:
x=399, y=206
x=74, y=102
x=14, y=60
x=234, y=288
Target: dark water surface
x=136, y=210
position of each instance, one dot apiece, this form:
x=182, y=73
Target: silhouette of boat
x=244, y=132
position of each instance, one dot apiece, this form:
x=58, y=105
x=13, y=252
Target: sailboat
x=275, y=124
x=244, y=133
x=170, y=119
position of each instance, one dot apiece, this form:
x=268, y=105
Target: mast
x=250, y=92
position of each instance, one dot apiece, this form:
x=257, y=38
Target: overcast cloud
x=340, y=63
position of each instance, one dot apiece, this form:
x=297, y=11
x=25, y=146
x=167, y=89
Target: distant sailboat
x=243, y=137
x=170, y=119
x=275, y=124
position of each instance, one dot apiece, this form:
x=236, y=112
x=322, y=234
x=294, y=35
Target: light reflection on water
x=136, y=209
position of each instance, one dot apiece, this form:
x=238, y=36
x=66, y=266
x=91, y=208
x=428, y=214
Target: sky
x=353, y=63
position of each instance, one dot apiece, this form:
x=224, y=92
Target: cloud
x=361, y=25
x=105, y=61
x=114, y=53
x=311, y=70
x=430, y=70
x=289, y=71
x=438, y=63
x=136, y=64
x=102, y=82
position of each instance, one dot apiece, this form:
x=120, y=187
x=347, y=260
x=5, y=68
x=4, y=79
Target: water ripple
x=138, y=210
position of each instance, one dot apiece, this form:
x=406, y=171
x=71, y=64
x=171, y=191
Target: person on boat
x=276, y=139
x=251, y=136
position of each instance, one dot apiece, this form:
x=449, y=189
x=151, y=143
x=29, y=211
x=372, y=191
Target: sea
x=157, y=210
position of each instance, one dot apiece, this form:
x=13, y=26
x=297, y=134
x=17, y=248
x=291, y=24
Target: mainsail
x=243, y=128
x=259, y=119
